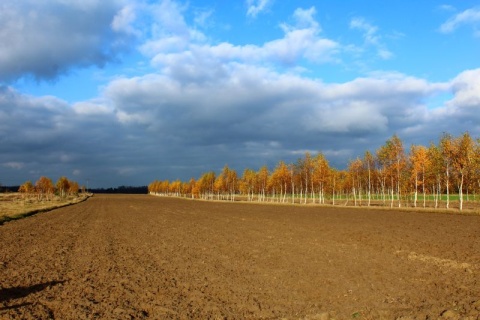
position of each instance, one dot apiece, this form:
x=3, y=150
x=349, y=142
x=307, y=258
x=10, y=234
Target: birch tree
x=435, y=171
x=446, y=149
x=462, y=159
x=369, y=165
x=44, y=187
x=248, y=182
x=262, y=182
x=321, y=170
x=420, y=162
x=62, y=186
x=354, y=174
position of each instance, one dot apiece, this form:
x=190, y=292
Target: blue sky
x=121, y=92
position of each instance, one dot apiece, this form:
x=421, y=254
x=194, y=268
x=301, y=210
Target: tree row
x=45, y=189
x=434, y=176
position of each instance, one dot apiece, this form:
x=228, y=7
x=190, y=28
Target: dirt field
x=135, y=257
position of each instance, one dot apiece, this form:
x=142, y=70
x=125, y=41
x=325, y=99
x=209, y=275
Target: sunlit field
x=16, y=205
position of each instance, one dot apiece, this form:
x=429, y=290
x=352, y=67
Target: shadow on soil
x=7, y=294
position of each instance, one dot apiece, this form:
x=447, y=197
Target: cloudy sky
x=122, y=92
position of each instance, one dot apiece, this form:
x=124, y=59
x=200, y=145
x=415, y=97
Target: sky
x=123, y=92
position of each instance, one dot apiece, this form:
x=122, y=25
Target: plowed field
x=145, y=257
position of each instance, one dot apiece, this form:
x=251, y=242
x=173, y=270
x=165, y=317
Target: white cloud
x=446, y=7
x=183, y=56
x=466, y=89
x=254, y=7
x=123, y=21
x=371, y=37
x=304, y=19
x=14, y=165
x=202, y=17
x=169, y=31
x=91, y=108
x=467, y=17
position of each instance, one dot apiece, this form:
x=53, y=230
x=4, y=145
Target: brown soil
x=135, y=257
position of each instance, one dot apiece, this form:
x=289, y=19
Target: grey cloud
x=45, y=136
x=46, y=38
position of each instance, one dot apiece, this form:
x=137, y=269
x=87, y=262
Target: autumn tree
x=393, y=159
x=369, y=168
x=62, y=186
x=419, y=162
x=435, y=172
x=447, y=152
x=154, y=187
x=305, y=167
x=280, y=180
x=248, y=182
x=320, y=175
x=73, y=188
x=262, y=179
x=293, y=170
x=227, y=183
x=354, y=174
x=27, y=188
x=175, y=188
x=385, y=172
x=463, y=152
x=340, y=185
x=475, y=172
x=189, y=188
x=205, y=185
x=44, y=187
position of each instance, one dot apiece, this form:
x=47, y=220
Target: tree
x=27, y=188
x=463, y=153
x=44, y=187
x=420, y=162
x=62, y=186
x=205, y=185
x=191, y=187
x=320, y=175
x=280, y=180
x=393, y=159
x=305, y=167
x=369, y=167
x=262, y=178
x=73, y=188
x=293, y=170
x=248, y=182
x=354, y=174
x=435, y=171
x=227, y=183
x=446, y=149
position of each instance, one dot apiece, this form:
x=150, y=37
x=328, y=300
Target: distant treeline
x=9, y=188
x=122, y=190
